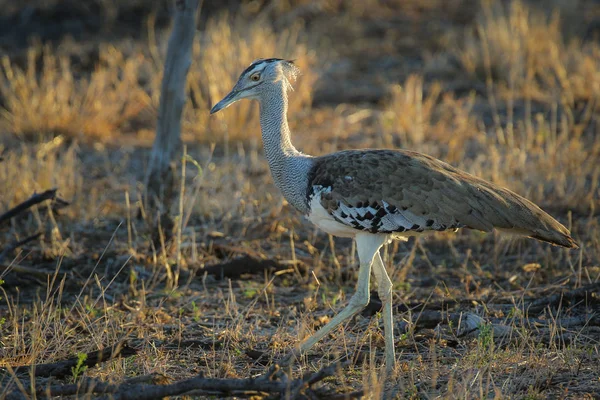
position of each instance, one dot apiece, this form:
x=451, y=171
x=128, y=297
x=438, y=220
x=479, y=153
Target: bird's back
x=396, y=191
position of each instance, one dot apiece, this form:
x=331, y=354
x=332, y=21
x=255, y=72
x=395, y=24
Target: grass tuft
x=57, y=100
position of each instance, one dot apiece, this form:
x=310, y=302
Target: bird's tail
x=528, y=219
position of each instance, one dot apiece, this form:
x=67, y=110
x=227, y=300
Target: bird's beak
x=226, y=102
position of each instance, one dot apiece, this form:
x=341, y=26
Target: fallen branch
x=468, y=324
x=271, y=382
x=575, y=322
x=587, y=334
x=16, y=245
x=225, y=386
x=310, y=379
x=84, y=385
x=205, y=344
x=58, y=204
x=428, y=319
x=37, y=198
x=24, y=270
x=589, y=293
x=241, y=265
x=359, y=394
x=375, y=305
x=63, y=368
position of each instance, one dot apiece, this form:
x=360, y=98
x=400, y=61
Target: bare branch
x=242, y=265
x=63, y=368
x=37, y=198
x=269, y=382
x=18, y=244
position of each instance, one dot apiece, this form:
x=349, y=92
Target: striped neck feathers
x=273, y=121
x=288, y=166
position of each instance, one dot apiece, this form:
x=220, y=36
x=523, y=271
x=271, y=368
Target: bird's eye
x=255, y=77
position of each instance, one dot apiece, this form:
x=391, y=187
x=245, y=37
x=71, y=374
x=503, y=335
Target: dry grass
x=29, y=169
x=421, y=121
x=525, y=53
x=124, y=90
x=542, y=99
x=55, y=100
x=95, y=276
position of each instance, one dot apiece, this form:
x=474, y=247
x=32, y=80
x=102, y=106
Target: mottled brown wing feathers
x=399, y=191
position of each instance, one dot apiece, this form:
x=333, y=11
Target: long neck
x=289, y=167
x=274, y=125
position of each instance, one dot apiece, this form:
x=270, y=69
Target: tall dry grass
x=30, y=169
x=524, y=51
x=34, y=168
x=125, y=84
x=428, y=120
x=54, y=99
x=548, y=150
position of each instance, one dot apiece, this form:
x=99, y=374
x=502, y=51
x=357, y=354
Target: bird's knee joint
x=385, y=293
x=359, y=301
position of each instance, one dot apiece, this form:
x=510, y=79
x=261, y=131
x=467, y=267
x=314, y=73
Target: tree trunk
x=162, y=172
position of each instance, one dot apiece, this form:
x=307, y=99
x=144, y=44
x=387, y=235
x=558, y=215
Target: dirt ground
x=506, y=90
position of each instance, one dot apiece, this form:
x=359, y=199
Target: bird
x=375, y=196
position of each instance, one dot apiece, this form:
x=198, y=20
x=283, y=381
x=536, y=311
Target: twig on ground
x=310, y=379
x=84, y=385
x=359, y=394
x=270, y=382
x=16, y=245
x=63, y=368
x=589, y=293
x=25, y=270
x=428, y=319
x=241, y=265
x=37, y=198
x=59, y=204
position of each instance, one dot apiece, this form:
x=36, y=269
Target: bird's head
x=260, y=77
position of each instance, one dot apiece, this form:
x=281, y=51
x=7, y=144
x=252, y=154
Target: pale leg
x=367, y=246
x=384, y=288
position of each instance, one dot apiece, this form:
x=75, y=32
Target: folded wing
x=387, y=191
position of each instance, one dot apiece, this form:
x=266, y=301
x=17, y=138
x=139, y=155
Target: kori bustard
x=376, y=196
